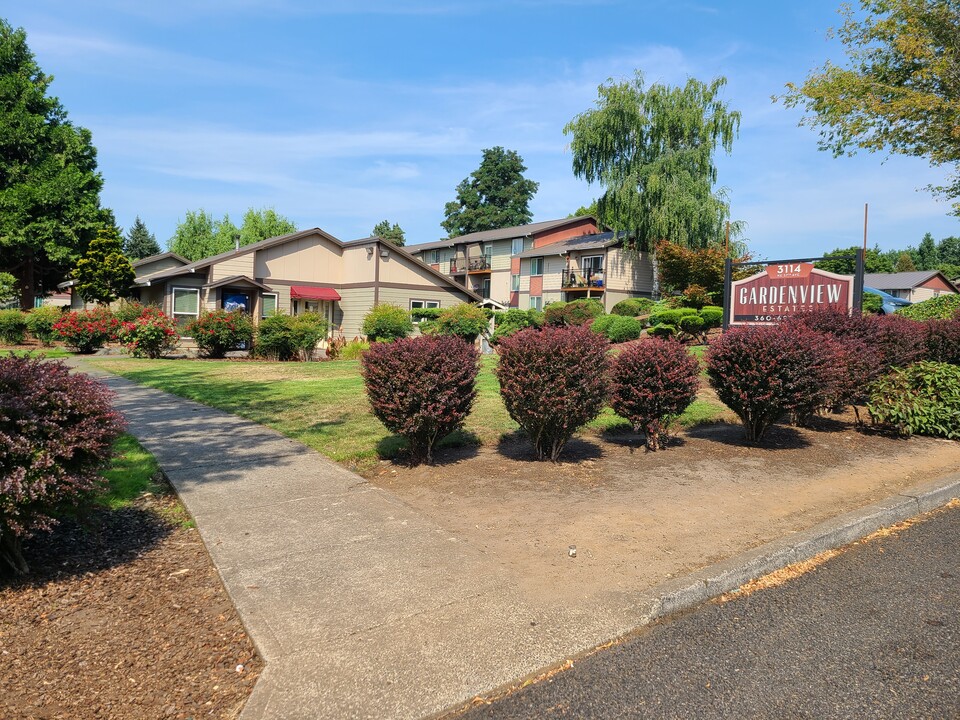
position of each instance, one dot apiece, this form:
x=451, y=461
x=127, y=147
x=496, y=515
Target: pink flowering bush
x=87, y=331
x=150, y=335
x=218, y=332
x=421, y=388
x=56, y=435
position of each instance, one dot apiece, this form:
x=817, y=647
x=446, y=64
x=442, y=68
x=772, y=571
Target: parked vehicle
x=890, y=302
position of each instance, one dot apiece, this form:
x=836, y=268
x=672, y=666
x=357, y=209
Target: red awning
x=305, y=292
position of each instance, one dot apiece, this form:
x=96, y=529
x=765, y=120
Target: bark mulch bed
x=123, y=616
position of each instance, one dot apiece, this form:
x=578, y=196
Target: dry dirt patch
x=639, y=518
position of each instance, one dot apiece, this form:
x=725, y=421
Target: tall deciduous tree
x=199, y=236
x=844, y=261
x=104, y=273
x=140, y=242
x=900, y=89
x=392, y=233
x=49, y=184
x=496, y=195
x=262, y=224
x=652, y=150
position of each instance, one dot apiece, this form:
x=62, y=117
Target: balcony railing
x=581, y=279
x=474, y=264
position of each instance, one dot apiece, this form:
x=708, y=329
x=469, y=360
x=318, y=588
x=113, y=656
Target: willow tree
x=652, y=151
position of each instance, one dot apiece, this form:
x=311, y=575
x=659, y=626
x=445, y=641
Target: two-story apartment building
x=528, y=266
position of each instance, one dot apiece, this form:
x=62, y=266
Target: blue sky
x=339, y=115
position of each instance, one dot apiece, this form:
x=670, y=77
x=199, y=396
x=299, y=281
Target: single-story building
x=305, y=271
x=913, y=286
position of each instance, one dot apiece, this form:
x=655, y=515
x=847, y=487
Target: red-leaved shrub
x=421, y=388
x=150, y=335
x=56, y=433
x=943, y=341
x=651, y=383
x=763, y=372
x=552, y=381
x=87, y=330
x=900, y=341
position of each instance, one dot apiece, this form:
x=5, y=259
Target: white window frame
x=514, y=283
x=516, y=246
x=433, y=257
x=591, y=257
x=173, y=301
x=423, y=305
x=276, y=303
x=536, y=260
x=536, y=302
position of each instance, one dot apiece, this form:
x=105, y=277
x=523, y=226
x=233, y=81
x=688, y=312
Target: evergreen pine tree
x=104, y=273
x=140, y=242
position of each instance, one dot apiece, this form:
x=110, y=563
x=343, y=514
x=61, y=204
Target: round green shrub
x=386, y=322
x=664, y=332
x=671, y=316
x=692, y=324
x=942, y=307
x=40, y=322
x=463, y=320
x=872, y=303
x=631, y=307
x=13, y=326
x=603, y=323
x=923, y=398
x=624, y=329
x=510, y=321
x=712, y=316
x=286, y=337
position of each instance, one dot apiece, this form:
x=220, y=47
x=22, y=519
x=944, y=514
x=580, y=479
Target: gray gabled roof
x=597, y=241
x=902, y=280
x=279, y=240
x=507, y=233
x=161, y=256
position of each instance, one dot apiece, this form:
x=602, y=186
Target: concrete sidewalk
x=364, y=609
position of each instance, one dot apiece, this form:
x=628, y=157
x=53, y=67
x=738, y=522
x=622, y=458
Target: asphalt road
x=873, y=633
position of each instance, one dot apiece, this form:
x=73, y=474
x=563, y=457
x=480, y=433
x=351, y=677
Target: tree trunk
x=27, y=294
x=11, y=553
x=656, y=275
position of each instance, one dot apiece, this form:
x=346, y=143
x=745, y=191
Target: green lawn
x=323, y=404
x=50, y=352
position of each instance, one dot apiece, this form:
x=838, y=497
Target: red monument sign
x=785, y=289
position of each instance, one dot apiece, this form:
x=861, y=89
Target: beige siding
x=395, y=268
x=403, y=296
x=239, y=265
x=359, y=265
x=553, y=267
x=501, y=255
x=157, y=265
x=309, y=259
x=152, y=295
x=632, y=272
x=550, y=296
x=919, y=294
x=186, y=281
x=500, y=286
x=355, y=303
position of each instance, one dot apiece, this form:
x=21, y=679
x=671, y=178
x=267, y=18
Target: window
x=433, y=256
x=233, y=300
x=536, y=266
x=186, y=304
x=422, y=305
x=514, y=283
x=516, y=246
x=592, y=263
x=268, y=305
x=536, y=303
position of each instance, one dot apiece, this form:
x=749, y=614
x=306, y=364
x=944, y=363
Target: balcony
x=581, y=280
x=472, y=265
